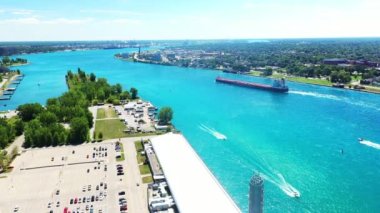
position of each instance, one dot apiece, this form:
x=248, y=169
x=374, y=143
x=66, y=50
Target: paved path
x=136, y=195
x=93, y=110
x=17, y=142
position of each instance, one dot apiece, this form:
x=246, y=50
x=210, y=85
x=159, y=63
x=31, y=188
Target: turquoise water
x=297, y=136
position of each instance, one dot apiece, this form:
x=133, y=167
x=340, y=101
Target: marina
x=14, y=82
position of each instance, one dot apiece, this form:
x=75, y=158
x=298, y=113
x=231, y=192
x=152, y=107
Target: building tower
x=256, y=194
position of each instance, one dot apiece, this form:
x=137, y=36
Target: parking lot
x=80, y=178
x=138, y=116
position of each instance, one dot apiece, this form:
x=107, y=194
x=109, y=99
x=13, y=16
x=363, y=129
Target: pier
x=3, y=98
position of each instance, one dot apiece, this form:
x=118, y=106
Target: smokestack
x=256, y=194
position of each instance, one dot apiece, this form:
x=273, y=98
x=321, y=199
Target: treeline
x=7, y=61
x=9, y=129
x=12, y=48
x=98, y=90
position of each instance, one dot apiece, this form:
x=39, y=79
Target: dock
x=3, y=98
x=14, y=82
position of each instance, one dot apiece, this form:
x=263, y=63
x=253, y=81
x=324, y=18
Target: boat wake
x=317, y=95
x=336, y=98
x=370, y=144
x=213, y=132
x=279, y=180
x=271, y=175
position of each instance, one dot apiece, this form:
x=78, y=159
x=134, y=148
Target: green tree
x=78, y=130
x=47, y=118
x=133, y=92
x=70, y=74
x=92, y=77
x=101, y=96
x=165, y=115
x=28, y=112
x=125, y=95
x=19, y=127
x=6, y=60
x=268, y=71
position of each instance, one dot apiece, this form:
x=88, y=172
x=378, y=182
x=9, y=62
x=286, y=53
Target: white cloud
x=21, y=12
x=33, y=20
x=110, y=12
x=122, y=21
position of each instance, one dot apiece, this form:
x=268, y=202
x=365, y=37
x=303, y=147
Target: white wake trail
x=317, y=95
x=337, y=98
x=213, y=132
x=370, y=144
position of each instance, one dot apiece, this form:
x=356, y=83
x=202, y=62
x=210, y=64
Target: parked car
x=122, y=193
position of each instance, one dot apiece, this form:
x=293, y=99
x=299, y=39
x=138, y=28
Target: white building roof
x=194, y=187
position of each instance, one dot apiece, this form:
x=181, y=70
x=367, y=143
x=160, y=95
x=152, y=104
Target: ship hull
x=251, y=85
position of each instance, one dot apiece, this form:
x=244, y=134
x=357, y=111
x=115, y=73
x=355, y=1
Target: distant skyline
x=46, y=20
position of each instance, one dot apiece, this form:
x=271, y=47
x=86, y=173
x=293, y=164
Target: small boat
x=296, y=194
x=360, y=139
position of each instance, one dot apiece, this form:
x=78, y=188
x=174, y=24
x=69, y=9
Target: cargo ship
x=277, y=86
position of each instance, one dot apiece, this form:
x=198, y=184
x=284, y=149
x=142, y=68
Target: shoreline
x=247, y=74
x=19, y=65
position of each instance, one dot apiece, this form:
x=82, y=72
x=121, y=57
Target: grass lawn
x=255, y=73
x=310, y=80
x=114, y=128
x=144, y=169
x=12, y=120
x=357, y=78
x=140, y=158
x=106, y=113
x=147, y=179
x=110, y=129
x=122, y=154
x=372, y=89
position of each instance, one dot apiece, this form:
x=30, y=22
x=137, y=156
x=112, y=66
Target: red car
x=123, y=208
x=65, y=210
x=76, y=201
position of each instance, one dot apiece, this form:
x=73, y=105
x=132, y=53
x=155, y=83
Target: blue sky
x=36, y=20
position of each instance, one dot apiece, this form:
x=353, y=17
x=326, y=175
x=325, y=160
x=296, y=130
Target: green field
x=147, y=179
x=112, y=128
x=140, y=158
x=255, y=73
x=106, y=113
x=317, y=81
x=144, y=169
